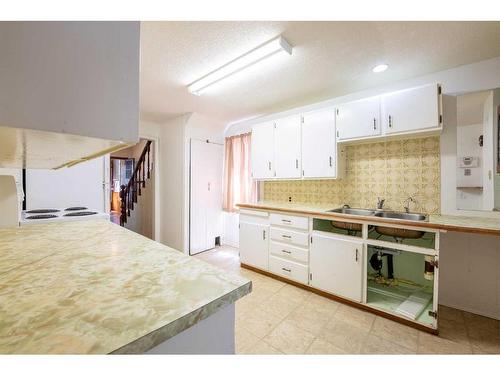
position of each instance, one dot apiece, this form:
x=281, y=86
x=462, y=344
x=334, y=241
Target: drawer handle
x=286, y=269
x=286, y=221
x=286, y=236
x=286, y=251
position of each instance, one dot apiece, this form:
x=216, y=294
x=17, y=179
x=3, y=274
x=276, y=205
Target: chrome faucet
x=380, y=203
x=406, y=204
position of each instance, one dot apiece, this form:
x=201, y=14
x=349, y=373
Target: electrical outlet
x=289, y=199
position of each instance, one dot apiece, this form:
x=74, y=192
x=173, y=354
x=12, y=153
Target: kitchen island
x=94, y=287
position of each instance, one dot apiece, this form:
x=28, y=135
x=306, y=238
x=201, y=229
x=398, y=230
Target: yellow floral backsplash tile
x=394, y=170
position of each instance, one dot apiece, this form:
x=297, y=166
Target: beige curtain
x=238, y=184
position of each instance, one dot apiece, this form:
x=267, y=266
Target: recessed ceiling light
x=252, y=57
x=380, y=68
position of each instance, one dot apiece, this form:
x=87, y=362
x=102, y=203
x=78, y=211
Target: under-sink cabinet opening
x=402, y=283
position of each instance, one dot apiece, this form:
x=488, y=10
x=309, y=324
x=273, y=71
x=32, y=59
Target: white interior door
x=214, y=197
x=205, y=214
x=287, y=153
x=319, y=144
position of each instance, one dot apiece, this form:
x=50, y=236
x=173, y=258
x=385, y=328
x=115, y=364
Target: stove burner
x=75, y=208
x=42, y=211
x=36, y=217
x=84, y=213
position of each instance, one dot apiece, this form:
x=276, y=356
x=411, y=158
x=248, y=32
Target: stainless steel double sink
x=398, y=233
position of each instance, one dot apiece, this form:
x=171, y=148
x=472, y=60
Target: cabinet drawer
x=290, y=236
x=298, y=222
x=288, y=269
x=289, y=252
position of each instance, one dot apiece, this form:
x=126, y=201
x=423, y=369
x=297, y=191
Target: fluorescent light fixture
x=380, y=68
x=252, y=57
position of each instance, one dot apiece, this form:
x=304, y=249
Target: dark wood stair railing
x=129, y=192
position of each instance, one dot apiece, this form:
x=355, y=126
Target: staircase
x=130, y=192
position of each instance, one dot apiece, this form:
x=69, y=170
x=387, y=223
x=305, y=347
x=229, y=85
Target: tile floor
x=278, y=318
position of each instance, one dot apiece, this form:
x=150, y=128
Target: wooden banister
x=129, y=192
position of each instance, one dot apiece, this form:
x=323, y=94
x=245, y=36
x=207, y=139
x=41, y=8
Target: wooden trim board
x=334, y=297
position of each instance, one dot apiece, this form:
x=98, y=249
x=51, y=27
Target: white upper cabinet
x=287, y=154
x=262, y=153
x=319, y=148
x=412, y=110
x=359, y=119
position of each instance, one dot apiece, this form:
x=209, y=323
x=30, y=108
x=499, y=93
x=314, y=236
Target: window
x=239, y=186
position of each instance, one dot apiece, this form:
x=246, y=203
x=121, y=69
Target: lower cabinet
x=254, y=244
x=289, y=269
x=336, y=266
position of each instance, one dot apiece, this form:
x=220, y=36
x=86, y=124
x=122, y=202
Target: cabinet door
x=287, y=147
x=358, y=119
x=319, y=144
x=263, y=151
x=411, y=110
x=254, y=240
x=336, y=266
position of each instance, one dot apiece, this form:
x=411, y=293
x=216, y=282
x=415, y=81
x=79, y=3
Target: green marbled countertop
x=92, y=286
x=456, y=223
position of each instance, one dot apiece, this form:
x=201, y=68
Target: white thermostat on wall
x=468, y=161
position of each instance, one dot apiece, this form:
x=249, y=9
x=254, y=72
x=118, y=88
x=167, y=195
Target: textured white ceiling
x=329, y=59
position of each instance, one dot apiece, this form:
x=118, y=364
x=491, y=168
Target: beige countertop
x=442, y=222
x=91, y=286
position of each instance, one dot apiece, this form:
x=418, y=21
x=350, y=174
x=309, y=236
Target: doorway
x=132, y=172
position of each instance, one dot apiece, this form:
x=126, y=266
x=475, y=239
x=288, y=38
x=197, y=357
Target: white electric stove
x=60, y=214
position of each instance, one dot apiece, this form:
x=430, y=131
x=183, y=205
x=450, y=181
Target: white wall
x=80, y=185
x=52, y=73
x=468, y=145
x=469, y=273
